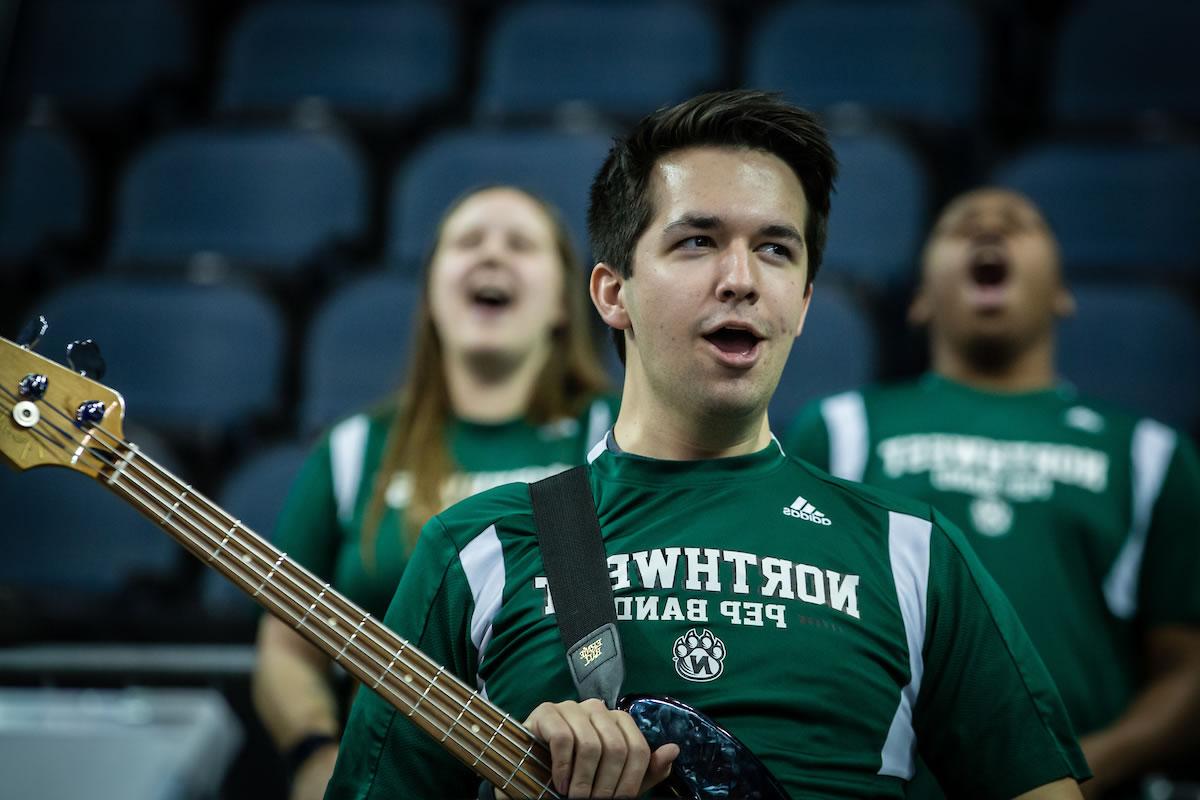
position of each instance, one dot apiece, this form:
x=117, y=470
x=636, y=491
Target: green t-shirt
x=320, y=526
x=835, y=629
x=1085, y=516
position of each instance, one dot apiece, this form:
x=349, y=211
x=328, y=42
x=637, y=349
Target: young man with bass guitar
x=837, y=630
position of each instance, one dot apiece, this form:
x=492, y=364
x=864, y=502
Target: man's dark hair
x=621, y=206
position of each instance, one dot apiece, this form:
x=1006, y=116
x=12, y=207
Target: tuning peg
x=84, y=357
x=32, y=332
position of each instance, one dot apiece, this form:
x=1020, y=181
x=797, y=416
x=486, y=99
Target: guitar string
x=43, y=434
x=290, y=597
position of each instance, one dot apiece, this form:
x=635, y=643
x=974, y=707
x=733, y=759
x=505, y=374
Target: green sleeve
x=1168, y=591
x=989, y=721
x=308, y=528
x=808, y=438
x=382, y=754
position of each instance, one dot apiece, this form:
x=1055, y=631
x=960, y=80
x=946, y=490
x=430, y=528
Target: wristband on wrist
x=298, y=753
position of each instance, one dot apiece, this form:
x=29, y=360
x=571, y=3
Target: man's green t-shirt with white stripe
x=320, y=526
x=1086, y=517
x=837, y=630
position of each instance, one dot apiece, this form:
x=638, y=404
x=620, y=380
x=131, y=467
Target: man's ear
x=606, y=287
x=1064, y=303
x=920, y=310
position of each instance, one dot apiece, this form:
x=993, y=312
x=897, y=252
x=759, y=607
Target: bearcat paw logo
x=699, y=656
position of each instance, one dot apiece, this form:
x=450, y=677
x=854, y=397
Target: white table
x=121, y=744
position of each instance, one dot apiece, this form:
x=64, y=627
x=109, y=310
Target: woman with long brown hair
x=504, y=385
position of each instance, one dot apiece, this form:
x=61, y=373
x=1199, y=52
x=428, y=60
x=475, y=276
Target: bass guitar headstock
x=53, y=415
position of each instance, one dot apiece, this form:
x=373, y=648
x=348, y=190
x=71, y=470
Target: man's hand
x=312, y=777
x=595, y=752
x=1161, y=721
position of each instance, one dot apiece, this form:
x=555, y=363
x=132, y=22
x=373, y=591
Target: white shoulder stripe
x=347, y=447
x=1152, y=446
x=845, y=417
x=908, y=548
x=599, y=449
x=483, y=562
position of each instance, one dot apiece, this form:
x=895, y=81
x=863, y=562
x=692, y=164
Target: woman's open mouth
x=491, y=299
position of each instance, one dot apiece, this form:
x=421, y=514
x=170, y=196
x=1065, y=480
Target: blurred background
x=234, y=198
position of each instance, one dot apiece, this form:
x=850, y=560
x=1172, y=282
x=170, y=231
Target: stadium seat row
x=916, y=60
x=271, y=201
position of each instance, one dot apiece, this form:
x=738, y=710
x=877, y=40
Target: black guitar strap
x=564, y=514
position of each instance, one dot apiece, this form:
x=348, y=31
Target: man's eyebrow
x=708, y=222
x=703, y=222
x=782, y=232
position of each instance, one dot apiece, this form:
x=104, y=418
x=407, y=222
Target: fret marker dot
x=474, y=729
x=332, y=622
x=408, y=678
x=246, y=559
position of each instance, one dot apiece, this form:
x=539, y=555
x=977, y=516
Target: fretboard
x=480, y=735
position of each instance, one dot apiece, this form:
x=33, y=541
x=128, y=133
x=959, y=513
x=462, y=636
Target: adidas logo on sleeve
x=802, y=509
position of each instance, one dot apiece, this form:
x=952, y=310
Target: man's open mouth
x=989, y=275
x=735, y=341
x=989, y=267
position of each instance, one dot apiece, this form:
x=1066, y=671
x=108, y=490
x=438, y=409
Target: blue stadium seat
x=66, y=532
x=253, y=493
x=878, y=211
x=1116, y=210
x=357, y=349
x=618, y=57
x=915, y=61
x=265, y=199
x=96, y=55
x=836, y=351
x=367, y=58
x=43, y=192
x=186, y=358
x=1137, y=347
x=1118, y=59
x=557, y=166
